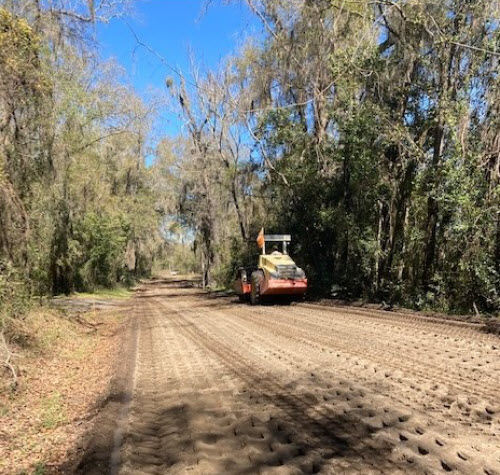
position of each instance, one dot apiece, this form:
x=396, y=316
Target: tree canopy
x=76, y=207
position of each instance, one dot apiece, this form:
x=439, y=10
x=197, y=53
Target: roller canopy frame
x=284, y=238
x=277, y=237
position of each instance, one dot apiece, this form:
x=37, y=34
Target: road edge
x=93, y=452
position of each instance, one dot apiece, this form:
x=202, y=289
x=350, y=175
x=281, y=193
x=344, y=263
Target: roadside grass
x=120, y=293
x=40, y=469
x=53, y=412
x=115, y=293
x=64, y=365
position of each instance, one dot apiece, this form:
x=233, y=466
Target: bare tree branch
x=6, y=362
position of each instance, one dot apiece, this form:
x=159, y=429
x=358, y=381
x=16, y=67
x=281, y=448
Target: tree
x=76, y=205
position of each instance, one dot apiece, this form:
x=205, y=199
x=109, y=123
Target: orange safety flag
x=260, y=239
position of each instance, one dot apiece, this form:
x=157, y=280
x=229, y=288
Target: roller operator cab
x=276, y=274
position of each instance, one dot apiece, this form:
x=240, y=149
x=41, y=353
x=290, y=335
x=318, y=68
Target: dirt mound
x=492, y=327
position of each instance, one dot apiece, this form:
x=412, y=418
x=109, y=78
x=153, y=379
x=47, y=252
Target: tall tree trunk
x=347, y=208
x=398, y=229
x=432, y=209
x=239, y=213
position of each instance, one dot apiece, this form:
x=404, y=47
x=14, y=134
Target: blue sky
x=173, y=28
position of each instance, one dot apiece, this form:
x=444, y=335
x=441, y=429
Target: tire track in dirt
x=326, y=431
x=429, y=369
x=418, y=430
x=463, y=388
x=440, y=400
x=388, y=316
x=227, y=388
x=410, y=391
x=444, y=332
x=119, y=433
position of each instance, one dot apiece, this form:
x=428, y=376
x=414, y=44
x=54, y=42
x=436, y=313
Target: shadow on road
x=220, y=432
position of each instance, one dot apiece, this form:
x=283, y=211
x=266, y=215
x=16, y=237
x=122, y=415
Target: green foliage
x=20, y=48
x=40, y=469
x=114, y=293
x=377, y=134
x=52, y=412
x=370, y=135
x=76, y=201
x=241, y=254
x=102, y=240
x=14, y=293
x=178, y=257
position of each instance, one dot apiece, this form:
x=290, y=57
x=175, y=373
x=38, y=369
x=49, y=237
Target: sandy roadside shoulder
x=66, y=365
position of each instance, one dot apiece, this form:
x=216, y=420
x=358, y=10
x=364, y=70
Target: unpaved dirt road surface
x=224, y=387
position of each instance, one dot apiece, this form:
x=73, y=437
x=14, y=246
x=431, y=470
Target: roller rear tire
x=257, y=279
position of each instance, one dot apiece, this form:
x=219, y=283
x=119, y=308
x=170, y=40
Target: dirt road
x=223, y=387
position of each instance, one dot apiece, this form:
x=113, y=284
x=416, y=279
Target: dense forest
x=369, y=130
x=76, y=206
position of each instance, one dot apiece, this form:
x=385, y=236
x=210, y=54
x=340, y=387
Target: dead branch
x=84, y=322
x=6, y=363
x=267, y=161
